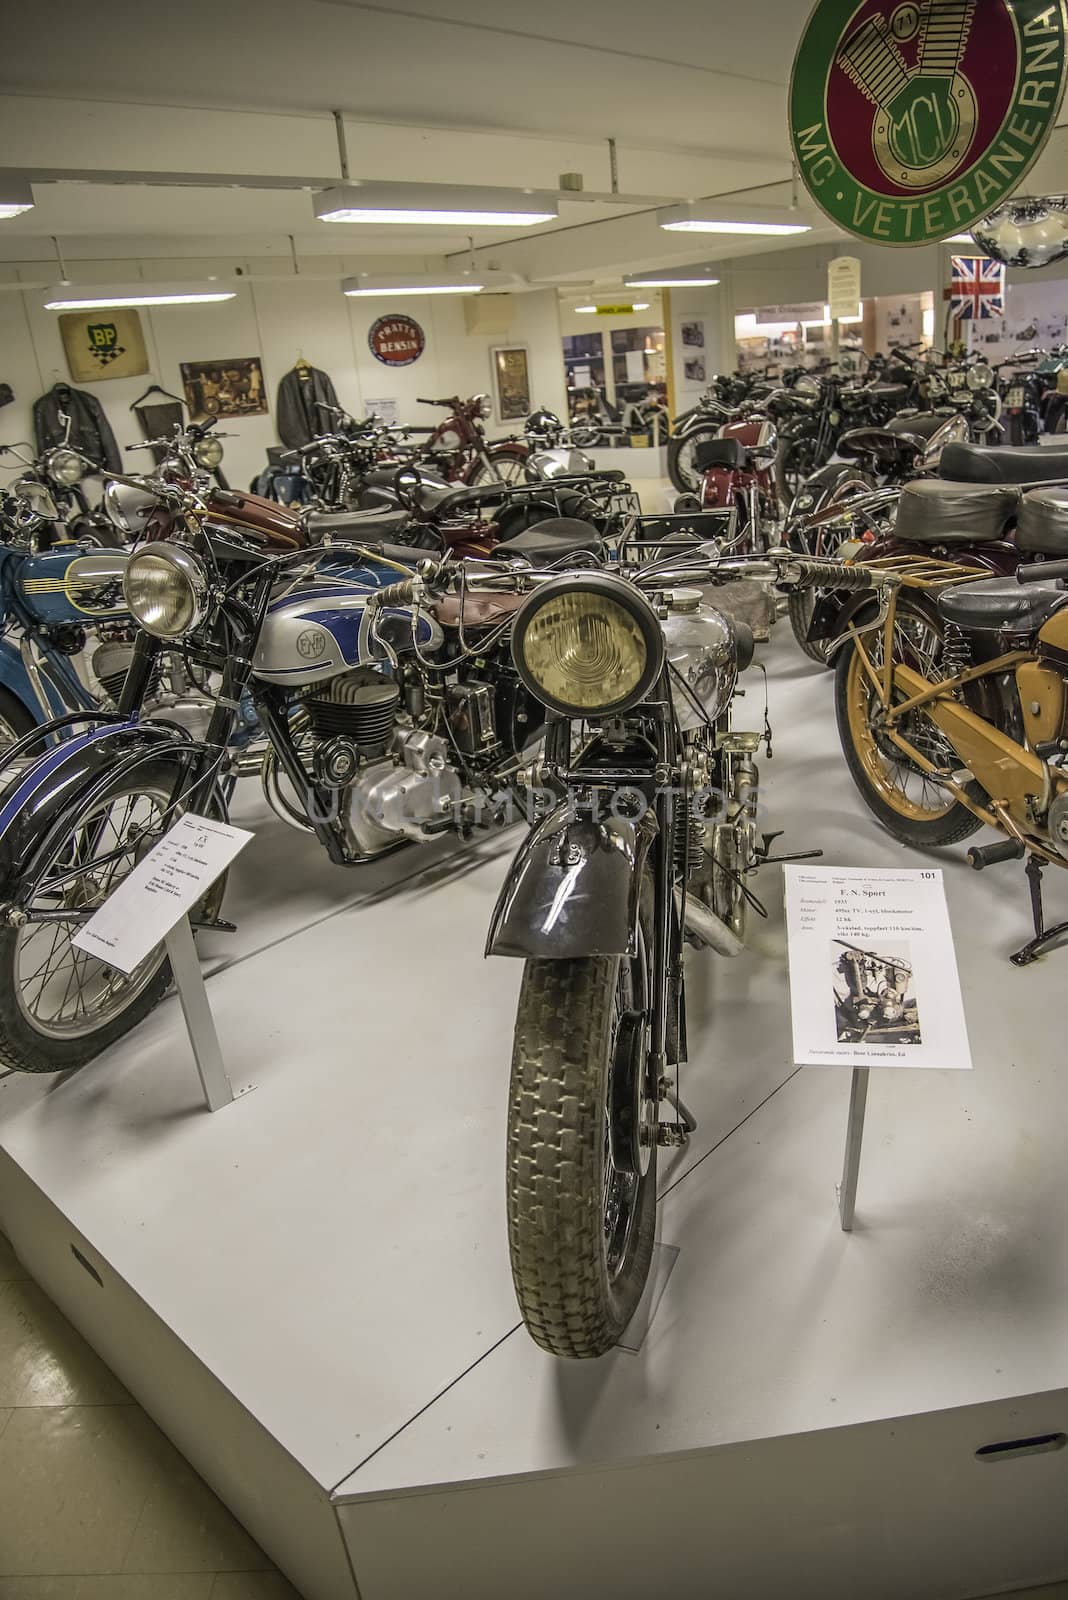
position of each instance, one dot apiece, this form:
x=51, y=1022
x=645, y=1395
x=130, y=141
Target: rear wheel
x=581, y=1183
x=682, y=471
x=505, y=466
x=911, y=804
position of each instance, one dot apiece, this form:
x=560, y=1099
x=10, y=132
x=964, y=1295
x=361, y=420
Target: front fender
x=574, y=889
x=45, y=793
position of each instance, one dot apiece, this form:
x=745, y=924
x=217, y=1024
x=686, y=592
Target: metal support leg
x=847, y=1194
x=189, y=981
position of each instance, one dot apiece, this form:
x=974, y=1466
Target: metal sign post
x=847, y=1191
x=189, y=981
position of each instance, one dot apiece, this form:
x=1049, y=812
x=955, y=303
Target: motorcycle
x=61, y=471
x=736, y=471
x=645, y=836
x=379, y=726
x=963, y=720
x=1021, y=390
x=457, y=448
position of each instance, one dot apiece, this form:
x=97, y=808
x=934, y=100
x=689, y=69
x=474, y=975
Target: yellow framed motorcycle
x=952, y=702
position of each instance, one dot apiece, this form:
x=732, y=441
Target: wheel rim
x=9, y=735
x=61, y=991
x=506, y=469
x=684, y=463
x=899, y=782
x=622, y=1190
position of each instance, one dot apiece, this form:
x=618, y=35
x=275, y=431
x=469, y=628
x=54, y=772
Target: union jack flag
x=978, y=287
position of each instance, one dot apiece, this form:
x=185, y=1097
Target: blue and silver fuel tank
x=72, y=584
x=313, y=632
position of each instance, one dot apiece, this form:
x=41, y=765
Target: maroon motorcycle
x=737, y=474
x=458, y=450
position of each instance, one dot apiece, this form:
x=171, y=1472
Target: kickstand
x=1044, y=937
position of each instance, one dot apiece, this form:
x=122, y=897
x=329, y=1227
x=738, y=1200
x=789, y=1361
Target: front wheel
x=59, y=1005
x=503, y=466
x=581, y=1216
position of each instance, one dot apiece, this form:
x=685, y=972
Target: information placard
x=873, y=974
x=160, y=890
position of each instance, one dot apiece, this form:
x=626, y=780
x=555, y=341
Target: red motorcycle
x=737, y=474
x=458, y=449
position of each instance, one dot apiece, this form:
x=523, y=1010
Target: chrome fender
x=574, y=889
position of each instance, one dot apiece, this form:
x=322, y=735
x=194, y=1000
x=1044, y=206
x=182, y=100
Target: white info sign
x=873, y=974
x=160, y=890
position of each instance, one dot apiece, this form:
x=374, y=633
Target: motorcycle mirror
x=1027, y=231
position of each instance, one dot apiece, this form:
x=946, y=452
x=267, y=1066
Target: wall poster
x=396, y=340
x=103, y=344
x=230, y=387
x=511, y=380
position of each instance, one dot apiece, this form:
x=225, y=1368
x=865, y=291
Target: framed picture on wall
x=230, y=387
x=511, y=382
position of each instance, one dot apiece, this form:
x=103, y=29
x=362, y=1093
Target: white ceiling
x=462, y=91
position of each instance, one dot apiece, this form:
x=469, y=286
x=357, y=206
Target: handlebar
x=420, y=401
x=1042, y=571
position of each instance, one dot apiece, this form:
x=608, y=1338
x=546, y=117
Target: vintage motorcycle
x=369, y=742
x=458, y=449
x=645, y=837
x=953, y=707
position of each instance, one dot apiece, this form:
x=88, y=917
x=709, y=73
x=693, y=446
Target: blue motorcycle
x=52, y=593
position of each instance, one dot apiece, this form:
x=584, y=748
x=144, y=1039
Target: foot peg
x=988, y=855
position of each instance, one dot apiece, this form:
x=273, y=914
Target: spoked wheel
x=581, y=1151
x=59, y=1005
x=504, y=468
x=682, y=470
x=801, y=608
x=15, y=721
x=909, y=802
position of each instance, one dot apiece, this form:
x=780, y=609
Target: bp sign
x=910, y=121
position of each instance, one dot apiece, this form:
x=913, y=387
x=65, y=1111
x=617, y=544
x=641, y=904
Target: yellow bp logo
x=911, y=121
x=104, y=343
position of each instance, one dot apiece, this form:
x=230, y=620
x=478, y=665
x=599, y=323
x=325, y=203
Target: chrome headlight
x=483, y=405
x=128, y=508
x=166, y=590
x=67, y=467
x=980, y=376
x=587, y=645
x=208, y=453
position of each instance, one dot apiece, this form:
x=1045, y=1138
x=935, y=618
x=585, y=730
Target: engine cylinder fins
x=365, y=712
x=689, y=841
x=110, y=664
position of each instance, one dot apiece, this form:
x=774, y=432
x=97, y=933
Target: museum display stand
x=309, y=1290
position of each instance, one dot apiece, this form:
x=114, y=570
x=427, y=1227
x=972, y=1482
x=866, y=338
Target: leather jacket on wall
x=90, y=431
x=299, y=419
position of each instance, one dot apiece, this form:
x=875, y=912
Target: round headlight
x=66, y=466
x=980, y=376
x=587, y=646
x=207, y=453
x=166, y=590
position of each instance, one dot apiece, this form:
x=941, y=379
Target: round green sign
x=909, y=121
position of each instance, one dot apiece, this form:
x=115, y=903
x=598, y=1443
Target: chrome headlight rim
x=208, y=453
x=65, y=466
x=190, y=578
x=980, y=376
x=608, y=587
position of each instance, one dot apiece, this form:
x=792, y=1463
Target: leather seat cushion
x=974, y=463
x=1043, y=522
x=554, y=539
x=728, y=453
x=996, y=604
x=918, y=424
x=932, y=512
x=371, y=525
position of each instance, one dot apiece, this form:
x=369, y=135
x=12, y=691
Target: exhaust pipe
x=703, y=923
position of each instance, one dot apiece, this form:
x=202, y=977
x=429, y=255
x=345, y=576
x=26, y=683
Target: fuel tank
x=313, y=632
x=257, y=518
x=72, y=584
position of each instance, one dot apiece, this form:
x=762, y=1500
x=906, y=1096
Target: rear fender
x=574, y=889
x=41, y=801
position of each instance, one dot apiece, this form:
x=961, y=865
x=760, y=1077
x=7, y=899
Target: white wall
x=704, y=306
x=279, y=318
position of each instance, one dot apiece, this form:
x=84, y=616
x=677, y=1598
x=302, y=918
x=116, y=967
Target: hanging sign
x=801, y=311
x=397, y=340
x=103, y=344
x=909, y=122
x=843, y=287
x=614, y=311
x=977, y=289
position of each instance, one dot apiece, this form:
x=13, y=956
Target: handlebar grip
x=1041, y=571
x=988, y=855
x=395, y=594
x=833, y=575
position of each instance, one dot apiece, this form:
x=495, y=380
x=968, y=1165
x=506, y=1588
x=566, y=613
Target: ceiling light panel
x=433, y=204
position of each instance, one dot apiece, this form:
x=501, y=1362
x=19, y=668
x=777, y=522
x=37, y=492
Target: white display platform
x=309, y=1290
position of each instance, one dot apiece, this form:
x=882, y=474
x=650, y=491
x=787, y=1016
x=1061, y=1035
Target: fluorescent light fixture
x=16, y=196
x=700, y=218
x=358, y=288
x=640, y=305
x=436, y=204
x=584, y=309
x=671, y=283
x=71, y=297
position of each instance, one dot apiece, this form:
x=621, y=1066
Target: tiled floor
x=95, y=1502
